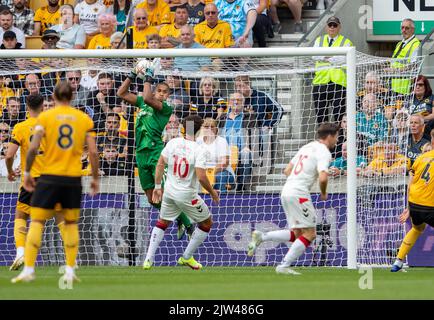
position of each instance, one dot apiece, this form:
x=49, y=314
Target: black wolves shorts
x=51, y=190
x=421, y=214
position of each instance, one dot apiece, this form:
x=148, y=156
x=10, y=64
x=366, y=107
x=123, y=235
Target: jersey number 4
x=299, y=166
x=180, y=167
x=425, y=174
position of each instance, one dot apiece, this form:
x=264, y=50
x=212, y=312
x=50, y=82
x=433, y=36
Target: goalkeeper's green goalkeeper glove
x=149, y=75
x=133, y=75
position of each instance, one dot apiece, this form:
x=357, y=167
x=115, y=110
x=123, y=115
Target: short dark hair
x=181, y=6
x=48, y=98
x=5, y=11
x=105, y=75
x=162, y=84
x=111, y=146
x=35, y=101
x=197, y=123
x=327, y=129
x=63, y=91
x=13, y=98
x=114, y=114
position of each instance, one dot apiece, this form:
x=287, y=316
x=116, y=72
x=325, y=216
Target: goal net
x=264, y=109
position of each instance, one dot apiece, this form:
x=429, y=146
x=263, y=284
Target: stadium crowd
x=383, y=112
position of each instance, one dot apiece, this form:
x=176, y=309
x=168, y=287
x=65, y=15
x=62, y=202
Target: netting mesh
x=280, y=102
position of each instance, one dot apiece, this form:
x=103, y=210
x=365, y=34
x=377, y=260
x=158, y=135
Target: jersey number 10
x=180, y=167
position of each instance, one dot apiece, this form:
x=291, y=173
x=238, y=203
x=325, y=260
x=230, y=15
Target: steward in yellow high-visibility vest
x=329, y=84
x=404, y=53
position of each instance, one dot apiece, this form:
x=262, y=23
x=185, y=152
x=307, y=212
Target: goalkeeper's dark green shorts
x=146, y=163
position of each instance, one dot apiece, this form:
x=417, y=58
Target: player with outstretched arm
x=309, y=164
x=152, y=118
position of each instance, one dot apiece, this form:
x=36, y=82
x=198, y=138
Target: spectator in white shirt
x=219, y=152
x=86, y=15
x=72, y=35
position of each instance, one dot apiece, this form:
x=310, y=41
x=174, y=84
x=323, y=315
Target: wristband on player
x=149, y=79
x=157, y=187
x=26, y=173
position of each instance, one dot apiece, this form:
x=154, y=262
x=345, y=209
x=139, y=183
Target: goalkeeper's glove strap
x=132, y=76
x=149, y=79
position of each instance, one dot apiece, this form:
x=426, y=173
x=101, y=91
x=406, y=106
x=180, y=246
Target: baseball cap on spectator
x=333, y=20
x=9, y=35
x=50, y=33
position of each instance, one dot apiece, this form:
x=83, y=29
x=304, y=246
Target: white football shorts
x=195, y=209
x=299, y=210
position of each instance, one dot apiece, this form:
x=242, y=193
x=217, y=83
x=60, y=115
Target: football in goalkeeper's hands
x=142, y=66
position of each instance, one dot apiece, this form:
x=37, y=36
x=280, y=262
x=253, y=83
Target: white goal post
x=349, y=64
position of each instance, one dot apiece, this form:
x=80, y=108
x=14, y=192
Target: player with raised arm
x=151, y=120
x=309, y=164
x=63, y=131
x=21, y=138
x=420, y=207
x=186, y=162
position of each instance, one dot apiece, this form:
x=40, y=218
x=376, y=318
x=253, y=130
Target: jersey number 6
x=299, y=166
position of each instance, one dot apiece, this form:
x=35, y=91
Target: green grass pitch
x=220, y=283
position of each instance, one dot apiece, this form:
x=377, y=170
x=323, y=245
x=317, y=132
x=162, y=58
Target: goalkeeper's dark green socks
x=182, y=218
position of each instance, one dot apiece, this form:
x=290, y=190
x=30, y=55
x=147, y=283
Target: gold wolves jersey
x=22, y=135
x=422, y=187
x=65, y=129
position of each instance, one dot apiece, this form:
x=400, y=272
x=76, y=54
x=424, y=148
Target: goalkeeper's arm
x=149, y=97
x=125, y=94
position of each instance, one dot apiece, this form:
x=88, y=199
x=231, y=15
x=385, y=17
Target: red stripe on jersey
x=302, y=200
x=195, y=201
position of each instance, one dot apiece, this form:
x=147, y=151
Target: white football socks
x=156, y=237
x=296, y=250
x=196, y=240
x=278, y=235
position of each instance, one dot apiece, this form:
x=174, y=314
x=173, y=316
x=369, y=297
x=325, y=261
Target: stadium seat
x=234, y=157
x=34, y=42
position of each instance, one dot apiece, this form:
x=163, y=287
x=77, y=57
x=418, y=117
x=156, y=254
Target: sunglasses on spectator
x=141, y=18
x=211, y=12
x=74, y=78
x=4, y=130
x=420, y=84
x=332, y=25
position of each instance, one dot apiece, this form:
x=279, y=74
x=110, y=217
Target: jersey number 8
x=65, y=136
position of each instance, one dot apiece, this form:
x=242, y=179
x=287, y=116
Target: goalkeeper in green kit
x=151, y=120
